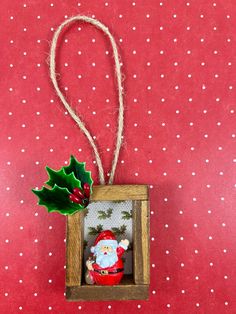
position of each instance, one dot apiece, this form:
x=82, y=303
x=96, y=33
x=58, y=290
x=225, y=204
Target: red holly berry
x=78, y=192
x=86, y=190
x=75, y=199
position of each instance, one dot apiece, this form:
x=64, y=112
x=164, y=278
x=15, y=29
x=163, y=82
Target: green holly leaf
x=62, y=183
x=78, y=168
x=102, y=214
x=95, y=230
x=126, y=214
x=61, y=179
x=119, y=231
x=57, y=200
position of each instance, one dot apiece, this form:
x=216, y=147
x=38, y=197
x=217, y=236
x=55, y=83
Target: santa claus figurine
x=106, y=266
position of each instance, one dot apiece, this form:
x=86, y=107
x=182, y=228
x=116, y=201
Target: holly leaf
x=126, y=214
x=62, y=183
x=61, y=179
x=119, y=231
x=95, y=230
x=57, y=200
x=102, y=214
x=78, y=168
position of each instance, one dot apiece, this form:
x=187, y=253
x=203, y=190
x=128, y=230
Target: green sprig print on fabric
x=126, y=215
x=119, y=230
x=102, y=214
x=95, y=230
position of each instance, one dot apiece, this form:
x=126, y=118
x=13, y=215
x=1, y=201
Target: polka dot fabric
x=179, y=67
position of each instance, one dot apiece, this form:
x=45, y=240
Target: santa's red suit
x=109, y=275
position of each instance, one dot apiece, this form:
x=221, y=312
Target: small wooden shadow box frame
x=132, y=287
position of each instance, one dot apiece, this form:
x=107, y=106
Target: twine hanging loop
x=72, y=113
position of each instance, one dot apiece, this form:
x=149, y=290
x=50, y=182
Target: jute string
x=72, y=113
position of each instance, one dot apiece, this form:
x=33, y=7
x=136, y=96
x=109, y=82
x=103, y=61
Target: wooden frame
x=135, y=288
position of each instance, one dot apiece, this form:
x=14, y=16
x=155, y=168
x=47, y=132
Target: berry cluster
x=81, y=197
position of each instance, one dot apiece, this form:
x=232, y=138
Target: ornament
x=69, y=191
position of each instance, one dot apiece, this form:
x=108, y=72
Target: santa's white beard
x=106, y=260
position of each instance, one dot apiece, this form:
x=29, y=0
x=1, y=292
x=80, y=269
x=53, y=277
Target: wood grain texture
x=135, y=288
x=119, y=292
x=74, y=249
x=141, y=242
x=119, y=192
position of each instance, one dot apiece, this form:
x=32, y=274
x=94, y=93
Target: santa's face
x=106, y=256
x=106, y=249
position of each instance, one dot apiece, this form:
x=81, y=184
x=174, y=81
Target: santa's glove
x=124, y=244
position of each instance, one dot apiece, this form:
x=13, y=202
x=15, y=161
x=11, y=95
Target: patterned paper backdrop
x=179, y=66
x=114, y=216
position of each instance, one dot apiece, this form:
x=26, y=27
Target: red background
x=179, y=67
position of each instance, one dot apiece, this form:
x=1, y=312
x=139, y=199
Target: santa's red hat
x=106, y=237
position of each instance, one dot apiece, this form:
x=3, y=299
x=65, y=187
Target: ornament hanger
x=72, y=113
